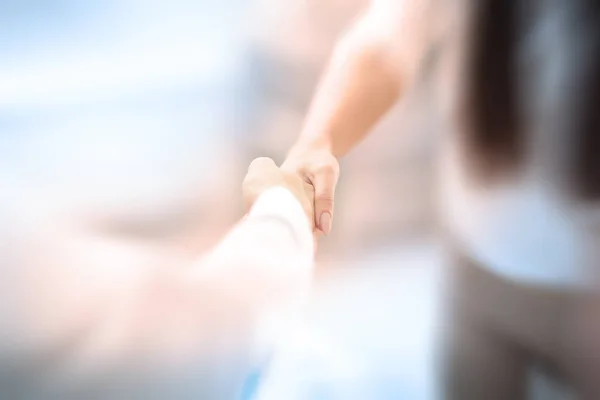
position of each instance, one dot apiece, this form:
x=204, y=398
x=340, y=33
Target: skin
x=369, y=71
x=264, y=174
x=367, y=74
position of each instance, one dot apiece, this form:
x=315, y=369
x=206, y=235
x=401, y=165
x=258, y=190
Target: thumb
x=260, y=164
x=324, y=184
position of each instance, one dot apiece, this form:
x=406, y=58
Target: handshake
x=310, y=177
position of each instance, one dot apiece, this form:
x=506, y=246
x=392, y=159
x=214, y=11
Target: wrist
x=312, y=146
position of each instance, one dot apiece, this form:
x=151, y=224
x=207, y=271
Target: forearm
x=359, y=86
x=106, y=304
x=271, y=252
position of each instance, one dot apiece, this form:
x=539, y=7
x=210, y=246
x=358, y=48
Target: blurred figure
x=149, y=330
x=516, y=84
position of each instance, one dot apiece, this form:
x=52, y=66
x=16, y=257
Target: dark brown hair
x=491, y=120
x=491, y=107
x=586, y=164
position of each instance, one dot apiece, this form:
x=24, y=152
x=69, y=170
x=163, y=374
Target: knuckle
x=325, y=198
x=328, y=166
x=314, y=167
x=329, y=170
x=261, y=162
x=326, y=170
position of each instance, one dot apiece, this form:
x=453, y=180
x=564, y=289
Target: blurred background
x=137, y=119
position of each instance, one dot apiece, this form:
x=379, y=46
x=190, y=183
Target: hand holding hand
x=263, y=174
x=320, y=169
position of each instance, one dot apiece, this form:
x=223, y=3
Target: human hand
x=263, y=174
x=320, y=169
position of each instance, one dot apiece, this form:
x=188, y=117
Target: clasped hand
x=264, y=174
x=310, y=174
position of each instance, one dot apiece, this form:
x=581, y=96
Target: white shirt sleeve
x=272, y=247
x=113, y=320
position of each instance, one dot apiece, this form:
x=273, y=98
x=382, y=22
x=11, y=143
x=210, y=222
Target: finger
x=316, y=235
x=259, y=170
x=324, y=183
x=309, y=192
x=260, y=164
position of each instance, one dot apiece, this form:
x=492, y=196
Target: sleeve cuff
x=280, y=203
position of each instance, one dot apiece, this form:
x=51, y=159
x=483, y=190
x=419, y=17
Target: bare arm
x=367, y=73
x=370, y=69
x=359, y=85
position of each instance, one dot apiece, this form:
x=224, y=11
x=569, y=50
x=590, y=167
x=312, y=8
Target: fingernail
x=325, y=222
